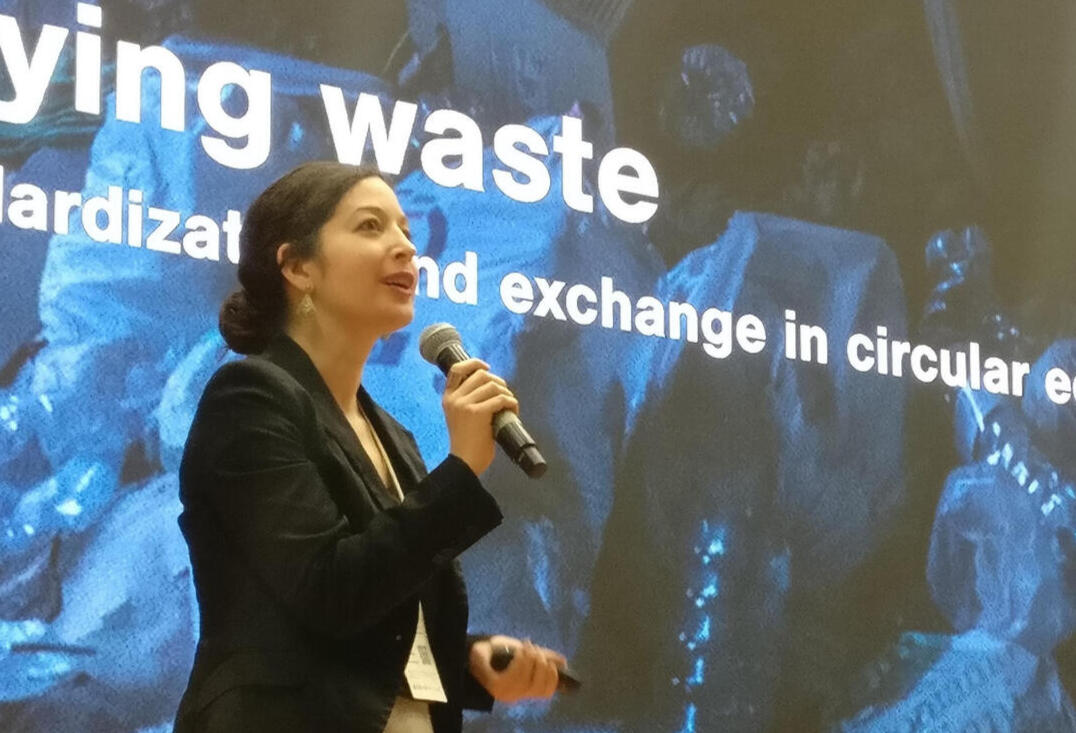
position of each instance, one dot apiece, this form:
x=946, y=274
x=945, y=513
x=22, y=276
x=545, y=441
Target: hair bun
x=245, y=328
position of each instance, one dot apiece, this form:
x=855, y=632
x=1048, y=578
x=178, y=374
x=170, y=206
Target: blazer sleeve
x=475, y=696
x=249, y=458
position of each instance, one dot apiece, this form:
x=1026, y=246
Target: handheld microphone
x=440, y=344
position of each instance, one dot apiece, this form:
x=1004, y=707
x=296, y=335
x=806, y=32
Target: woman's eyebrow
x=377, y=210
x=368, y=207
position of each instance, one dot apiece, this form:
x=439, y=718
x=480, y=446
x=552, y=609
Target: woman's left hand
x=532, y=673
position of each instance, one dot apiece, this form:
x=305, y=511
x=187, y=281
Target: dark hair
x=293, y=209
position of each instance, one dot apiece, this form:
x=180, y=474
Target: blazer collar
x=288, y=355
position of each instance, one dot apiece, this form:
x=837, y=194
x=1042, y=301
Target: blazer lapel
x=337, y=427
x=406, y=461
x=288, y=355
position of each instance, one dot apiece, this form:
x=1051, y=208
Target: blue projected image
x=745, y=543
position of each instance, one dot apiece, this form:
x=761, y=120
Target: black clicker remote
x=567, y=679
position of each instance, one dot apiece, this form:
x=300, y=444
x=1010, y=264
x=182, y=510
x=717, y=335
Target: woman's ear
x=295, y=270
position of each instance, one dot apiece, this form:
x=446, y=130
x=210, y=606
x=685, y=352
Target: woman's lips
x=402, y=281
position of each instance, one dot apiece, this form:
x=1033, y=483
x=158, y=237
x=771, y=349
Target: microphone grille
x=435, y=338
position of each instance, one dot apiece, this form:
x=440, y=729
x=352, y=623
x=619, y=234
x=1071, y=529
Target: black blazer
x=307, y=569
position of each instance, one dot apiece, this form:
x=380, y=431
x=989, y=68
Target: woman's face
x=365, y=273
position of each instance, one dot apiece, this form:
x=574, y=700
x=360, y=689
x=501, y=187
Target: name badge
x=421, y=672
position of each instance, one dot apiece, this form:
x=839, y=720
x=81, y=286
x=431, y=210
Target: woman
x=323, y=554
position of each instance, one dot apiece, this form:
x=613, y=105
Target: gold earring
x=306, y=305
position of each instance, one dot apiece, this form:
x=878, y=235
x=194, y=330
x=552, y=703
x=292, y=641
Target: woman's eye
x=369, y=225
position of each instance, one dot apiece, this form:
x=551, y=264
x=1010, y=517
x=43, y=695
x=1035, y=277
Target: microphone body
x=440, y=344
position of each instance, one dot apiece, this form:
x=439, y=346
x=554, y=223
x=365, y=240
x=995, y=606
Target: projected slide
x=784, y=289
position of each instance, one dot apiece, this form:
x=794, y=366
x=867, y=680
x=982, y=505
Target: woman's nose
x=409, y=247
x=405, y=249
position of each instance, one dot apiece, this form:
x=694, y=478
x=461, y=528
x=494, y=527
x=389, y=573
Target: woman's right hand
x=473, y=395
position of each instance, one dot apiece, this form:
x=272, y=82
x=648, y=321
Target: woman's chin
x=400, y=319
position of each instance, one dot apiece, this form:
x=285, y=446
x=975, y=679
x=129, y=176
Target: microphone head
x=435, y=338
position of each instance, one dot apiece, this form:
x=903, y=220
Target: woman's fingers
x=558, y=659
x=532, y=673
x=484, y=392
x=536, y=674
x=460, y=371
x=516, y=678
x=535, y=677
x=495, y=404
x=544, y=678
x=478, y=379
